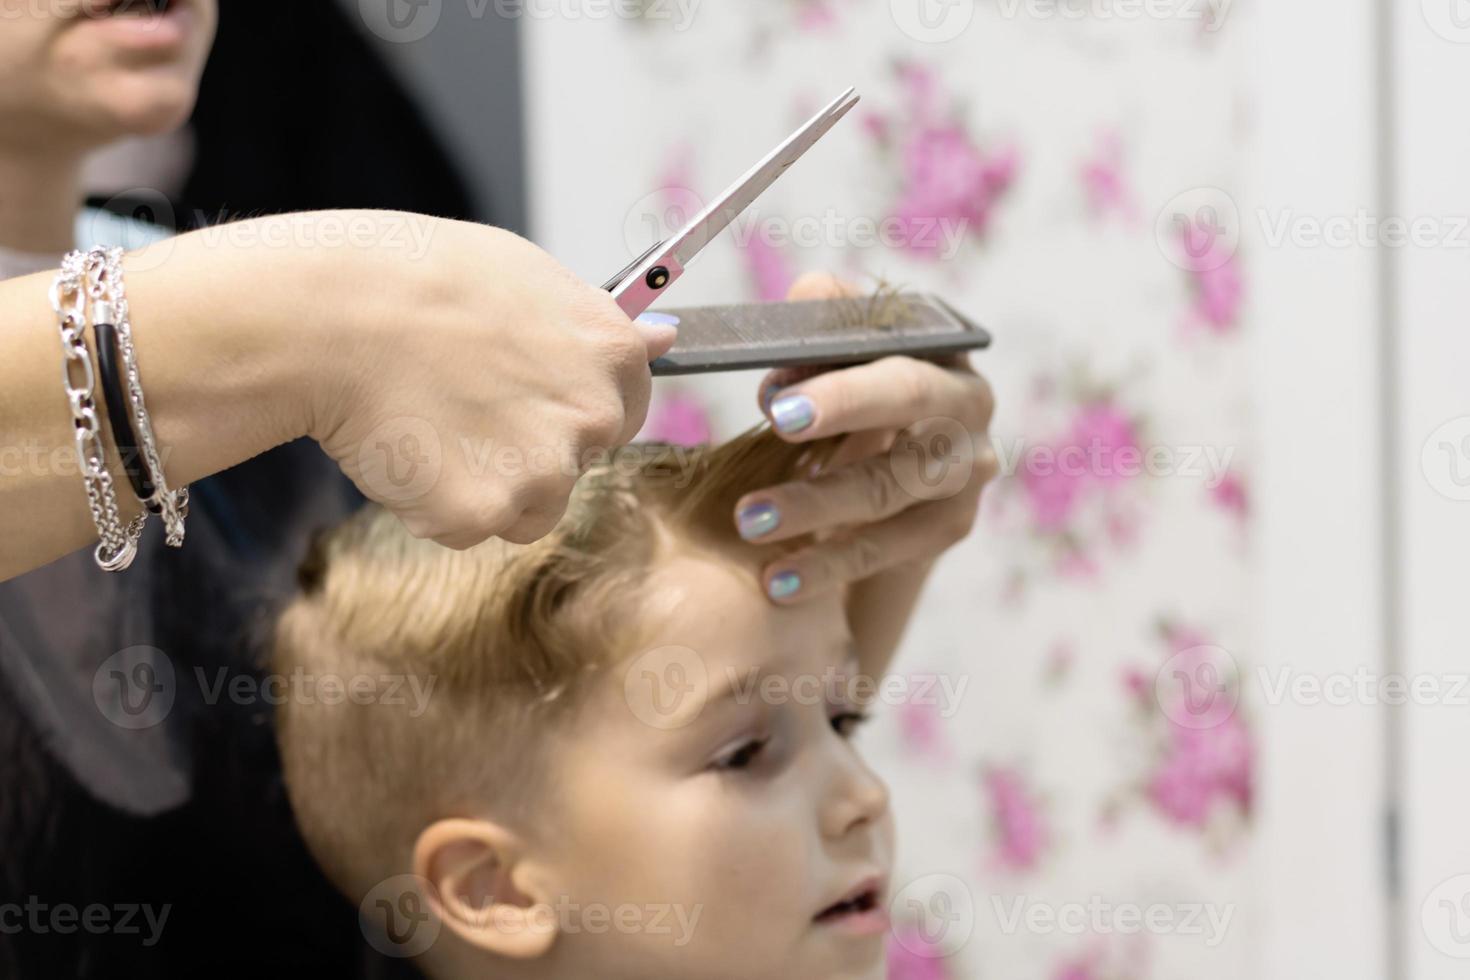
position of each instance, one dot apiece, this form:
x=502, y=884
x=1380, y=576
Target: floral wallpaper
x=1080, y=805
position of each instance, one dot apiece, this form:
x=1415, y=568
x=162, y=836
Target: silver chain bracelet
x=104, y=275
x=117, y=545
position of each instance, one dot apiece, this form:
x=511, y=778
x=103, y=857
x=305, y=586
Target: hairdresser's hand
x=469, y=388
x=457, y=374
x=902, y=488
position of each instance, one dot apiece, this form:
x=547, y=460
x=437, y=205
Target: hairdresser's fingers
x=810, y=286
x=914, y=535
x=820, y=285
x=785, y=377
x=534, y=525
x=658, y=335
x=890, y=393
x=919, y=465
x=528, y=527
x=861, y=445
x=861, y=493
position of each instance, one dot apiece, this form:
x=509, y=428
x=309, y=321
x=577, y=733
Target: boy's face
x=707, y=803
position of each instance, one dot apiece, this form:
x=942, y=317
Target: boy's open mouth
x=861, y=899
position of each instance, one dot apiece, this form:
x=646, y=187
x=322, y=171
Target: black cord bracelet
x=108, y=365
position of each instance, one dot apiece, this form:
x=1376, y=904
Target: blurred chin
x=142, y=105
x=109, y=89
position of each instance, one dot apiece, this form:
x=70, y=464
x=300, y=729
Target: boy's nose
x=858, y=798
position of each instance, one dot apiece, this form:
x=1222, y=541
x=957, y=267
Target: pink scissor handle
x=638, y=292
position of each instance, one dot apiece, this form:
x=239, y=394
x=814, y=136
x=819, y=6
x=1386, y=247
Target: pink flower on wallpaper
x=1060, y=660
x=679, y=419
x=1052, y=494
x=1075, y=563
x=1181, y=638
x=1103, y=182
x=877, y=127
x=677, y=173
x=1107, y=958
x=770, y=269
x=1077, y=970
x=1216, y=285
x=1016, y=819
x=921, y=728
x=1230, y=495
x=1139, y=686
x=775, y=22
x=946, y=179
x=912, y=957
x=1089, y=460
x=1104, y=431
x=1076, y=484
x=1204, y=766
x=816, y=15
x=1123, y=525
x=921, y=86
x=1202, y=769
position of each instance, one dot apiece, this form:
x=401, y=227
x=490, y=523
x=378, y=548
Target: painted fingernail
x=784, y=585
x=758, y=519
x=658, y=319
x=771, y=393
x=793, y=413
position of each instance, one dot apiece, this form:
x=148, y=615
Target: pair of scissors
x=645, y=279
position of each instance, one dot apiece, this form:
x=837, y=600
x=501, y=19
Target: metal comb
x=764, y=335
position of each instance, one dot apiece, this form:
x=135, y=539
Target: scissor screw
x=657, y=278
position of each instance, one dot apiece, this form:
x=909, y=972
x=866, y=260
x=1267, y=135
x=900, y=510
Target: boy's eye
x=742, y=757
x=846, y=724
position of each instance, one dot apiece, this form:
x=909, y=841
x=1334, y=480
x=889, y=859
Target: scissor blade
x=702, y=229
x=627, y=270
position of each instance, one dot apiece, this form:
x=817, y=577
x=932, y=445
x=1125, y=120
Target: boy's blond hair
x=506, y=635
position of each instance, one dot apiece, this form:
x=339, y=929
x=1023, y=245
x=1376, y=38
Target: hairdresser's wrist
x=231, y=325
x=302, y=310
x=330, y=283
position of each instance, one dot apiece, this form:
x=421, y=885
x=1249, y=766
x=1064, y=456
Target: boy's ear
x=483, y=890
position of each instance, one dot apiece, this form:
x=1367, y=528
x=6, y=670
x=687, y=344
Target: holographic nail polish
x=793, y=413
x=759, y=519
x=784, y=585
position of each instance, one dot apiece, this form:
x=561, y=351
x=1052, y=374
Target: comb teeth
x=837, y=331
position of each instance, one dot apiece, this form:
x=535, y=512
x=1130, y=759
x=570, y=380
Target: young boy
x=630, y=764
